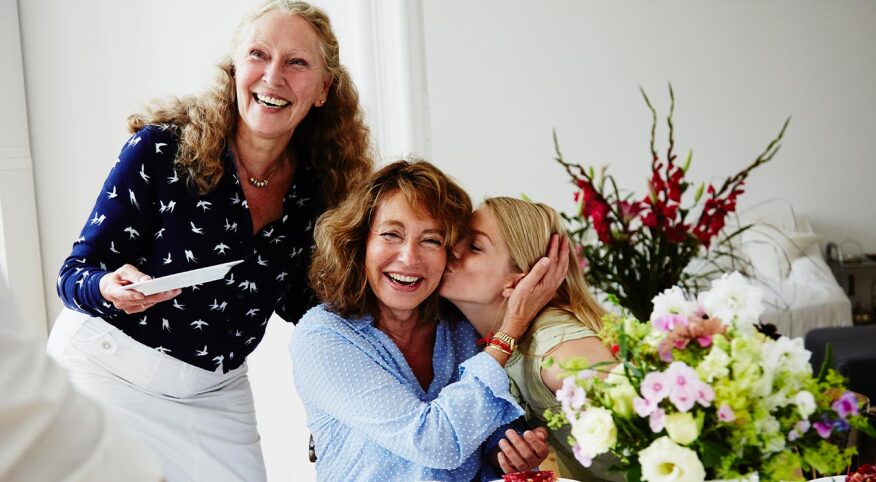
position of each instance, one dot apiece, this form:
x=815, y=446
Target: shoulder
x=553, y=327
x=320, y=321
x=151, y=144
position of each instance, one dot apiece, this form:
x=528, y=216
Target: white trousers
x=200, y=424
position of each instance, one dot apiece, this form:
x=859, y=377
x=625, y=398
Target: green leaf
x=687, y=161
x=525, y=197
x=826, y=364
x=712, y=452
x=633, y=473
x=699, y=193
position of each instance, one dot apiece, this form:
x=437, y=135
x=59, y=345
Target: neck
x=485, y=318
x=260, y=156
x=401, y=327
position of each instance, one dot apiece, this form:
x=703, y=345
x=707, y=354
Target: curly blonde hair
x=526, y=228
x=337, y=273
x=333, y=140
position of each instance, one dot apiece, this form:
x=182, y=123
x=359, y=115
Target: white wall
x=19, y=239
x=502, y=74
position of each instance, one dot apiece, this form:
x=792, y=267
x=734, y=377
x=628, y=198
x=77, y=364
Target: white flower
x=734, y=301
x=786, y=354
x=714, y=365
x=594, y=431
x=682, y=428
x=666, y=461
x=805, y=403
x=672, y=302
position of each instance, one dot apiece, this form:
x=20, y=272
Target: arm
x=590, y=348
x=92, y=277
x=50, y=431
x=336, y=373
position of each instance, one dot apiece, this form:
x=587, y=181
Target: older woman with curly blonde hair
x=392, y=390
x=240, y=172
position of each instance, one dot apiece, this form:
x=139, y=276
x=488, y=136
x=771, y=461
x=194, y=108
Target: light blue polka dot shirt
x=370, y=418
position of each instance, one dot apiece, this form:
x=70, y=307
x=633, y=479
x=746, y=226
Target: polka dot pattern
x=370, y=418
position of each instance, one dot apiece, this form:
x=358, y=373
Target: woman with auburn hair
x=392, y=390
x=506, y=239
x=240, y=172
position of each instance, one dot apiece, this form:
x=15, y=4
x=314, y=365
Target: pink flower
x=643, y=406
x=705, y=394
x=668, y=322
x=823, y=429
x=580, y=457
x=657, y=420
x=571, y=395
x=799, y=429
x=655, y=387
x=846, y=405
x=725, y=413
x=684, y=385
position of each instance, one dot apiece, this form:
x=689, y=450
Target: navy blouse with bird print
x=146, y=215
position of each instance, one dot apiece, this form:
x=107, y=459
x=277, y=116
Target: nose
x=272, y=76
x=410, y=252
x=457, y=251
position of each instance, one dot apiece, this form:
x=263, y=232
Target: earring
x=507, y=292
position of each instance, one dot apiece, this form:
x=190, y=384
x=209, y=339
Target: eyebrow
x=399, y=224
x=481, y=233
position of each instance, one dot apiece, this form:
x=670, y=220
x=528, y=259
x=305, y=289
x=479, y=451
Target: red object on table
x=865, y=473
x=531, y=476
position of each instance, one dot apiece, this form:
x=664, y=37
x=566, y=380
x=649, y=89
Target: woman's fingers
x=513, y=459
x=523, y=452
x=112, y=288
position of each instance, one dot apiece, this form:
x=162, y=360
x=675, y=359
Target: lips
x=270, y=101
x=404, y=281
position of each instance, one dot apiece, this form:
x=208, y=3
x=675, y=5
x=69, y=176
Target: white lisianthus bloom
x=786, y=354
x=666, y=461
x=672, y=302
x=682, y=428
x=734, y=301
x=594, y=431
x=805, y=403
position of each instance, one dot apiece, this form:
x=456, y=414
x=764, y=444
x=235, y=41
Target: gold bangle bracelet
x=512, y=343
x=499, y=349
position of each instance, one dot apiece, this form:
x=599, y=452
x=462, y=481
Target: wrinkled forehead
x=412, y=206
x=280, y=27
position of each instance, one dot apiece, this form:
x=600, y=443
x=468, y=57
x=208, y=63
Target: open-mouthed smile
x=270, y=102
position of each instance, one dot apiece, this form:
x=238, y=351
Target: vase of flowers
x=699, y=394
x=636, y=246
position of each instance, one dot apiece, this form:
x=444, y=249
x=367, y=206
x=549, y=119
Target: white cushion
x=772, y=249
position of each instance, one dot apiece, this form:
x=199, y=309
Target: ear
x=326, y=84
x=513, y=279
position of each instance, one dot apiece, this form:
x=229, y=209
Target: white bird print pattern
x=145, y=229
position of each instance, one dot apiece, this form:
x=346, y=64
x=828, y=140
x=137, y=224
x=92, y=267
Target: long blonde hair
x=526, y=228
x=333, y=139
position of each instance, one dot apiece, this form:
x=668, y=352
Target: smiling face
x=279, y=75
x=482, y=268
x=404, y=257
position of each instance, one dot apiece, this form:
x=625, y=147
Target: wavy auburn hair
x=333, y=139
x=526, y=228
x=337, y=272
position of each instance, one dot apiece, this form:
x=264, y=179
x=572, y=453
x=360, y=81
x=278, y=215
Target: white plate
x=184, y=279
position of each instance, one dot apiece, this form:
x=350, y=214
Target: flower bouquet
x=699, y=394
x=634, y=247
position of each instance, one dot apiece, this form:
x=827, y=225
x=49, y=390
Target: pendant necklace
x=260, y=183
